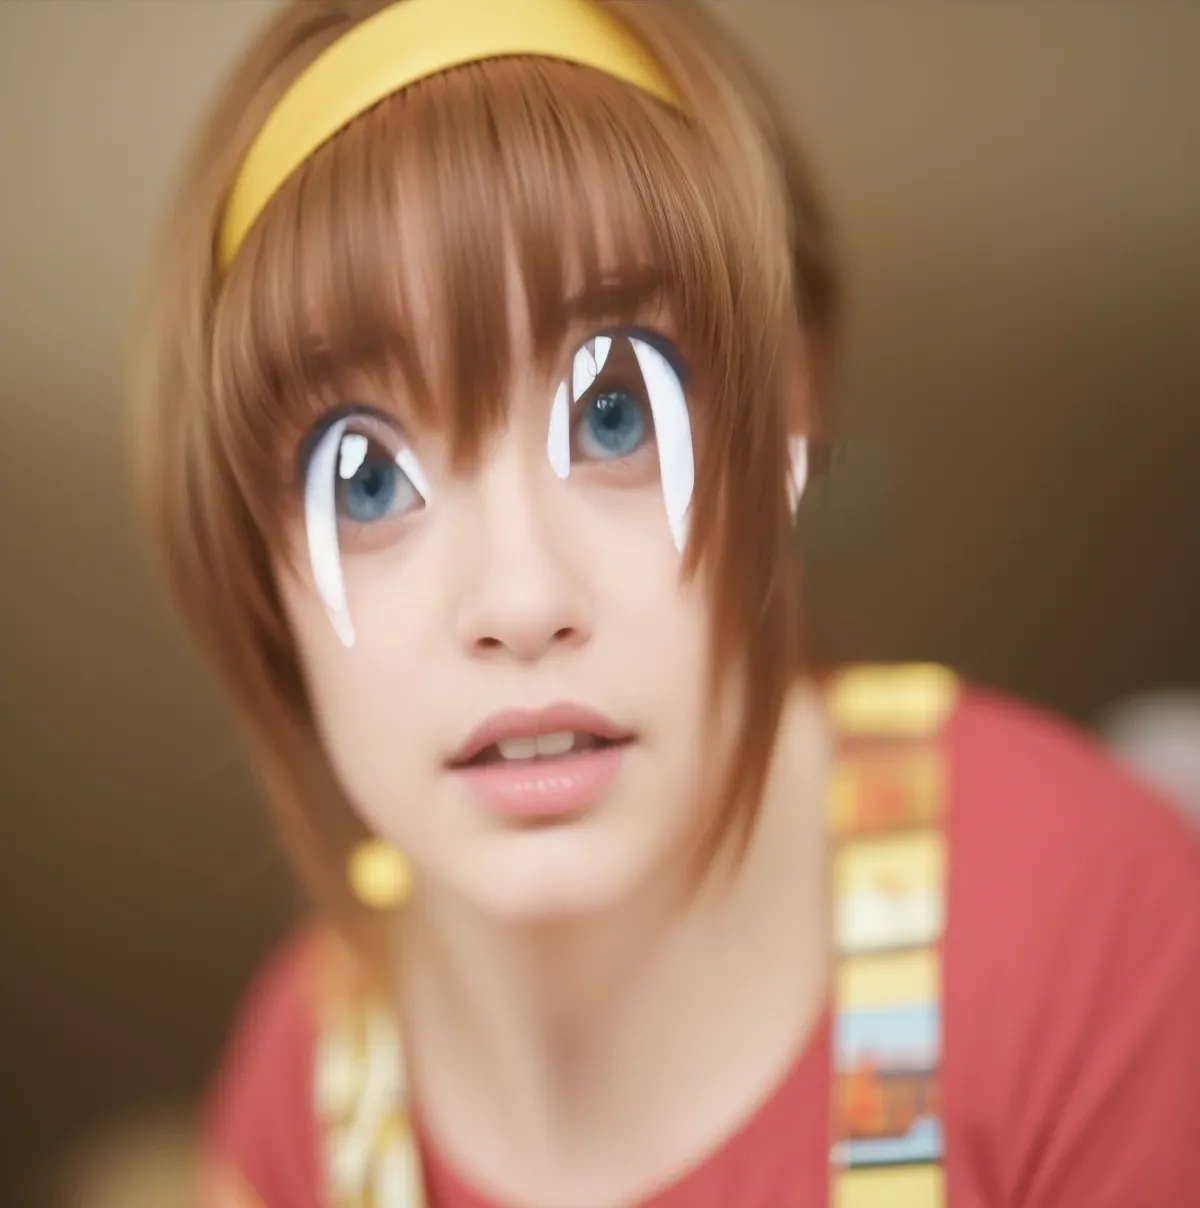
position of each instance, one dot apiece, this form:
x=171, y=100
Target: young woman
x=490, y=340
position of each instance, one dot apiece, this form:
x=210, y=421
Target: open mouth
x=541, y=748
x=542, y=765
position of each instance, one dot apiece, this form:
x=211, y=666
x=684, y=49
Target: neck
x=540, y=1053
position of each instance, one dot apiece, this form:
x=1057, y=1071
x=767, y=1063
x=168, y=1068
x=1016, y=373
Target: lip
x=548, y=790
x=532, y=723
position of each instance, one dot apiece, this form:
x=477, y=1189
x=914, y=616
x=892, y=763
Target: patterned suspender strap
x=370, y=1157
x=887, y=807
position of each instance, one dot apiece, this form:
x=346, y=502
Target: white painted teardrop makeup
x=339, y=454
x=797, y=470
x=668, y=407
x=558, y=440
x=673, y=432
x=585, y=369
x=589, y=363
x=320, y=521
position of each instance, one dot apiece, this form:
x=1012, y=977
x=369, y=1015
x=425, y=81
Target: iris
x=612, y=426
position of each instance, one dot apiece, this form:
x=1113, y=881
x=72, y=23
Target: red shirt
x=1071, y=999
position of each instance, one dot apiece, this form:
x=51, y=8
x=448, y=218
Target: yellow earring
x=380, y=875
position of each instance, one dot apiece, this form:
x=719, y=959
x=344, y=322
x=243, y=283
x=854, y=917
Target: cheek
x=363, y=697
x=650, y=616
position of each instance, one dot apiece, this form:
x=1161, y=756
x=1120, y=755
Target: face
x=508, y=669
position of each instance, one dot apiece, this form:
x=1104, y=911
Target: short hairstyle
x=711, y=209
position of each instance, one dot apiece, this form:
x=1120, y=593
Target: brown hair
x=713, y=211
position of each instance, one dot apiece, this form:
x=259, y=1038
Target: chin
x=551, y=874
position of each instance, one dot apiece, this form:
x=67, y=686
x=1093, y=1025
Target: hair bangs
x=390, y=256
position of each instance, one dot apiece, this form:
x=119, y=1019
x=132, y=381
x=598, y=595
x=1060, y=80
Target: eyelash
x=659, y=342
x=370, y=416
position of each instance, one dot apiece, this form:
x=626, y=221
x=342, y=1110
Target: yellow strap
x=886, y=812
x=407, y=42
x=904, y=701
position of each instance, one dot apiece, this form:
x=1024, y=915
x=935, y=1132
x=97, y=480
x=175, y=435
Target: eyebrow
x=616, y=298
x=319, y=368
x=324, y=368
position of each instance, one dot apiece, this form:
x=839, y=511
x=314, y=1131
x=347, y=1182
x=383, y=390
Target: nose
x=522, y=599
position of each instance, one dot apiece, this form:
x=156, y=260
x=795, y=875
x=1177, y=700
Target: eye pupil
x=616, y=422
x=373, y=481
x=610, y=410
x=370, y=492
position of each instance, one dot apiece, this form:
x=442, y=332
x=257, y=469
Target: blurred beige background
x=1019, y=188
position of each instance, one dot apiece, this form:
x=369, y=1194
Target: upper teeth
x=545, y=745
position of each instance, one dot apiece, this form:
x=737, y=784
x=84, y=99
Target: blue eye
x=370, y=485
x=613, y=425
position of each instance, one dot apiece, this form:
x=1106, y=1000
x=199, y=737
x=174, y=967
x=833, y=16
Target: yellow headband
x=407, y=42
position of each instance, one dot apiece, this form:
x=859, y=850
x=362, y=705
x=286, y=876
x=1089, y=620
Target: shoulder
x=261, y=1132
x=1072, y=967
x=1049, y=835
x=1032, y=791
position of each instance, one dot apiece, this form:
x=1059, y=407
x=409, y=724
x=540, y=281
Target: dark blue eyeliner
x=656, y=340
x=317, y=432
